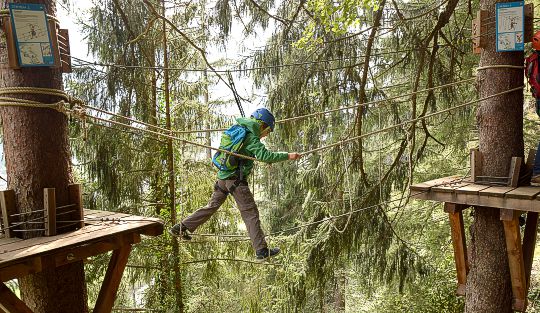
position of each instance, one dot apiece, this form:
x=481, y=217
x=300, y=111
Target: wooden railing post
x=7, y=203
x=459, y=243
x=529, y=242
x=75, y=197
x=515, y=260
x=49, y=205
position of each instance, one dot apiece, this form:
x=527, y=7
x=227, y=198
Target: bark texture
x=37, y=156
x=500, y=125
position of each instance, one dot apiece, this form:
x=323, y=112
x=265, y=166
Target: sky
x=244, y=86
x=78, y=45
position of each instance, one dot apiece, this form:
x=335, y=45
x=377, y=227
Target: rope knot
x=79, y=111
x=74, y=100
x=62, y=107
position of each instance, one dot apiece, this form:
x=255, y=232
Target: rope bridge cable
x=87, y=64
x=184, y=141
x=342, y=108
x=329, y=218
x=75, y=107
x=314, y=150
x=193, y=131
x=243, y=237
x=410, y=121
x=518, y=67
x=76, y=111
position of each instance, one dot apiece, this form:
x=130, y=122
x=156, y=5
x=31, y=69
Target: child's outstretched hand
x=294, y=156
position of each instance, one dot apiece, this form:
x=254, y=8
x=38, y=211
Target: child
x=234, y=182
x=532, y=72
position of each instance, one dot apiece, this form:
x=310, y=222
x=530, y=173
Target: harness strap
x=239, y=177
x=216, y=187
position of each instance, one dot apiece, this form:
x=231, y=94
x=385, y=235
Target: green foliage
x=367, y=248
x=336, y=18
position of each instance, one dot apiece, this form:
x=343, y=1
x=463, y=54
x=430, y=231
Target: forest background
x=352, y=240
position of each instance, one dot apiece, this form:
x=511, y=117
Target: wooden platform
x=458, y=193
x=20, y=257
x=458, y=190
x=103, y=232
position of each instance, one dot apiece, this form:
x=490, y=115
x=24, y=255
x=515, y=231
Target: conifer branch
x=362, y=91
x=125, y=19
x=189, y=41
x=277, y=18
x=291, y=21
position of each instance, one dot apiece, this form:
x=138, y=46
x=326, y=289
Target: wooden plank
x=40, y=246
x=495, y=191
x=75, y=197
x=476, y=164
x=49, y=204
x=5, y=241
x=484, y=201
x=28, y=266
x=460, y=249
x=515, y=166
x=7, y=202
x=524, y=193
x=66, y=57
x=508, y=214
x=454, y=207
x=450, y=187
x=529, y=22
x=472, y=189
x=525, y=178
x=111, y=282
x=529, y=243
x=440, y=181
x=53, y=33
x=516, y=264
x=10, y=40
x=478, y=31
x=10, y=303
x=139, y=223
x=86, y=251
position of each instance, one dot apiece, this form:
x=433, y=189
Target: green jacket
x=253, y=147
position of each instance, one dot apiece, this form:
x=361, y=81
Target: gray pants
x=246, y=204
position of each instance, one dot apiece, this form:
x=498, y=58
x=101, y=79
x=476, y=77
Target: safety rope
x=75, y=107
x=332, y=217
x=518, y=67
x=410, y=121
x=365, y=104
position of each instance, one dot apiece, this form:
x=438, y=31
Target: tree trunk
x=179, y=304
x=500, y=125
x=37, y=156
x=339, y=292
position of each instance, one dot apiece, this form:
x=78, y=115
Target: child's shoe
x=180, y=230
x=265, y=253
x=535, y=180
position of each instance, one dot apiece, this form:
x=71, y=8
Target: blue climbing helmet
x=263, y=114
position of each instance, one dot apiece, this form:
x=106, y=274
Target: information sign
x=509, y=25
x=31, y=32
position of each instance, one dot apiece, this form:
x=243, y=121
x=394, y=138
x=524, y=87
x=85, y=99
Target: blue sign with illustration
x=31, y=32
x=510, y=25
